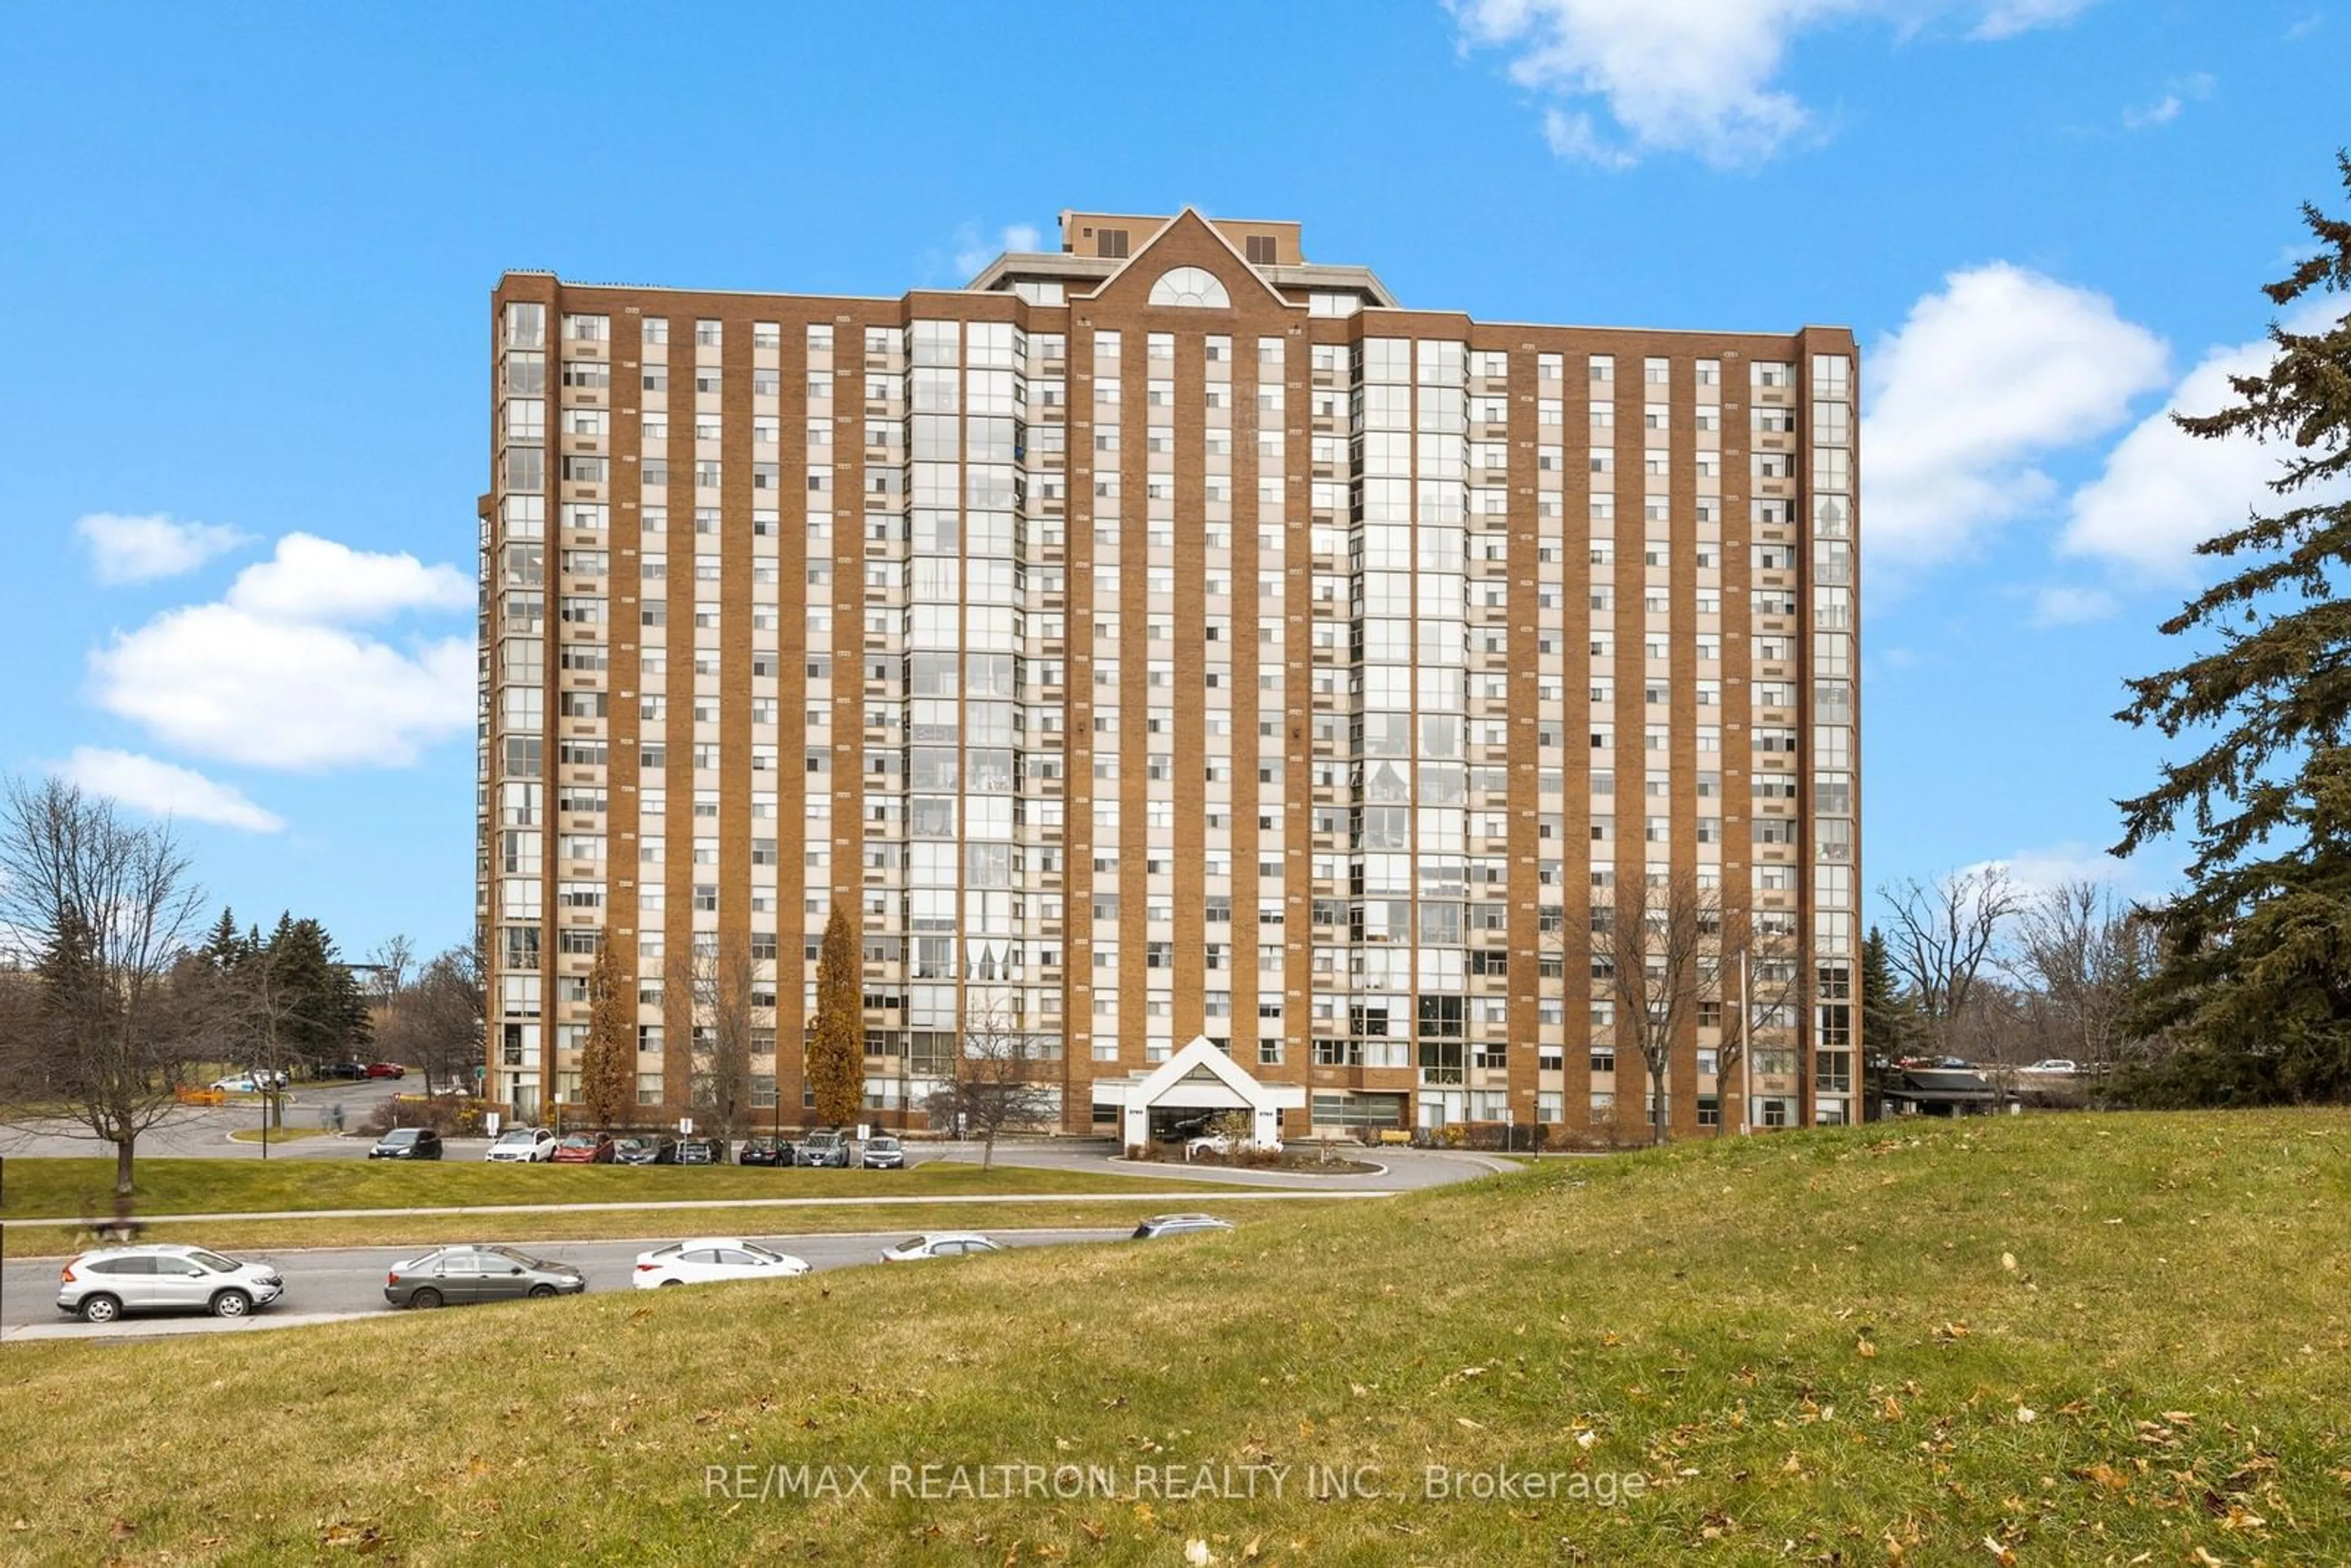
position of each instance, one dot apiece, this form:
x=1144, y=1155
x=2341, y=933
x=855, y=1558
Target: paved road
x=204, y=1130
x=346, y=1282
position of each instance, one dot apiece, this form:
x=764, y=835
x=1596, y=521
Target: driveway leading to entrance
x=1403, y=1168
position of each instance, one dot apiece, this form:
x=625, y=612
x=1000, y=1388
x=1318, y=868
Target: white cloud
x=2067, y=606
x=161, y=789
x=2044, y=870
x=2164, y=491
x=2006, y=18
x=1691, y=76
x=2001, y=368
x=1573, y=135
x=311, y=579
x=272, y=676
x=140, y=550
x=974, y=251
x=2165, y=110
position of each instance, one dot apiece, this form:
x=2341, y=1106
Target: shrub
x=451, y=1116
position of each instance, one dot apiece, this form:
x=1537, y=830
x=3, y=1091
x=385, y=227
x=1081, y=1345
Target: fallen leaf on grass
x=2106, y=1475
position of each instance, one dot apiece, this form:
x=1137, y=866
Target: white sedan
x=712, y=1259
x=524, y=1145
x=939, y=1244
x=1217, y=1144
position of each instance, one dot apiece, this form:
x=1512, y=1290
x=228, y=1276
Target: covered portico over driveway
x=1198, y=1081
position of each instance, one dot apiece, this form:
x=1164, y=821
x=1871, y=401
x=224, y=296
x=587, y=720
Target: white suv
x=523, y=1144
x=164, y=1277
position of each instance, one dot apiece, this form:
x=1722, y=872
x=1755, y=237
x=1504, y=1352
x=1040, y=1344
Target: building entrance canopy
x=1202, y=1078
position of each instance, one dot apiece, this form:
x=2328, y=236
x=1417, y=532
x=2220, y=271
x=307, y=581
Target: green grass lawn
x=70, y=1187
x=2042, y=1340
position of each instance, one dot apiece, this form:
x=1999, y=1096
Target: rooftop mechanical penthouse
x=1168, y=638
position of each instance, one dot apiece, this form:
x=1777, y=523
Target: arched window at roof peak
x=1191, y=286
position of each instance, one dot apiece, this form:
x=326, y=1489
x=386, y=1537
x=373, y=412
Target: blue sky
x=248, y=251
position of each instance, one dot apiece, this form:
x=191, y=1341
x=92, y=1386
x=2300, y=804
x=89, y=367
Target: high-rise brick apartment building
x=1168, y=637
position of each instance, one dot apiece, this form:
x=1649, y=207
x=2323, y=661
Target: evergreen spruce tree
x=223, y=946
x=2256, y=975
x=835, y=1058
x=1889, y=1024
x=608, y=1076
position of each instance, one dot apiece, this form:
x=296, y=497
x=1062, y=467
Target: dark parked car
x=583, y=1149
x=765, y=1152
x=455, y=1276
x=348, y=1070
x=884, y=1153
x=702, y=1152
x=645, y=1151
x=407, y=1144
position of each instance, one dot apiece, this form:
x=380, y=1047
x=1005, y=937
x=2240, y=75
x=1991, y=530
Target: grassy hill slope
x=2060, y=1339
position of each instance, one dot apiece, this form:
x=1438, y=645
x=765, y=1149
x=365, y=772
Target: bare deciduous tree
x=720, y=983
x=101, y=912
x=389, y=966
x=1774, y=986
x=994, y=1088
x=2086, y=952
x=1658, y=945
x=436, y=1019
x=1941, y=935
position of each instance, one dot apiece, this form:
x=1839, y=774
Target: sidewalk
x=168, y=1328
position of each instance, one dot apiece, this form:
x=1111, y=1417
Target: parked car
x=765, y=1152
x=1219, y=1144
x=825, y=1146
x=522, y=1145
x=583, y=1149
x=702, y=1151
x=407, y=1144
x=386, y=1069
x=343, y=1070
x=716, y=1258
x=268, y=1079
x=241, y=1085
x=1177, y=1225
x=884, y=1153
x=164, y=1277
x=645, y=1150
x=939, y=1244
x=2055, y=1064
x=455, y=1276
